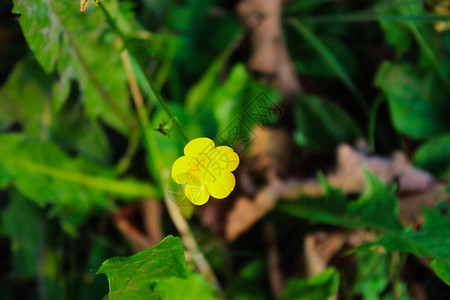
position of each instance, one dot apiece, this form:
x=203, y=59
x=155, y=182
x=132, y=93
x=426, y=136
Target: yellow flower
x=84, y=3
x=442, y=8
x=205, y=170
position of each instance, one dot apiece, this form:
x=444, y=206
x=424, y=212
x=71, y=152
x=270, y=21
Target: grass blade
x=331, y=60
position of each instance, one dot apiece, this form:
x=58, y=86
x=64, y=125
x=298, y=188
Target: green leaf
x=45, y=174
x=434, y=155
x=322, y=125
x=199, y=93
x=240, y=104
x=24, y=97
x=131, y=277
x=320, y=287
x=398, y=33
x=414, y=94
x=329, y=57
x=195, y=287
x=334, y=208
x=432, y=241
x=75, y=132
x=62, y=38
x=226, y=100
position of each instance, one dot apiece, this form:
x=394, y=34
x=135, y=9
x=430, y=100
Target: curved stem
x=174, y=211
x=153, y=94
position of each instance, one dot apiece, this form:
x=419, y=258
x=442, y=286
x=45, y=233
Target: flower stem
x=180, y=223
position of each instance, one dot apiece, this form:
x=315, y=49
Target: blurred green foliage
x=74, y=147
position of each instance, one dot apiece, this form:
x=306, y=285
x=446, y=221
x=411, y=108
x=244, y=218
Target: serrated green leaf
x=377, y=209
x=25, y=100
x=320, y=287
x=432, y=241
x=334, y=208
x=62, y=38
x=131, y=277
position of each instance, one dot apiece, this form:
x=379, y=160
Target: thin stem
x=135, y=92
x=124, y=163
x=174, y=211
x=153, y=94
x=190, y=243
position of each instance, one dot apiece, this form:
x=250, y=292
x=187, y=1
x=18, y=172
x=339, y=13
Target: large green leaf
x=132, y=277
x=334, y=208
x=432, y=241
x=199, y=93
x=71, y=129
x=377, y=209
x=320, y=287
x=195, y=287
x=321, y=125
x=226, y=98
x=62, y=38
x=417, y=99
x=45, y=174
x=25, y=100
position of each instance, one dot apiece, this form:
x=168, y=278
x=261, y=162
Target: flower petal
x=224, y=157
x=180, y=170
x=196, y=192
x=199, y=145
x=222, y=186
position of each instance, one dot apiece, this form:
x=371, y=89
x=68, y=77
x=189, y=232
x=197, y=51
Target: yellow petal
x=197, y=146
x=222, y=186
x=180, y=170
x=196, y=192
x=224, y=157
